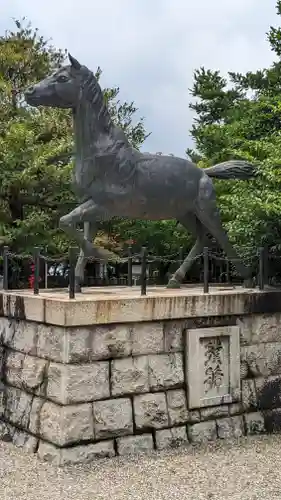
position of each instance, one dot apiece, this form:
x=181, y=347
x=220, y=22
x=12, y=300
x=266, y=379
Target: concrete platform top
x=102, y=305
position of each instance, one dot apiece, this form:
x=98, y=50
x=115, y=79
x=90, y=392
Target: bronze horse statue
x=113, y=179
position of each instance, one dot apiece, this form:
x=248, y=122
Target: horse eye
x=62, y=78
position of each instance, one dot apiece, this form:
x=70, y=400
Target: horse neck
x=94, y=128
x=86, y=130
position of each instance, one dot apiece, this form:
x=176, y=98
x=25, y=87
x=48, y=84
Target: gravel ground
x=246, y=470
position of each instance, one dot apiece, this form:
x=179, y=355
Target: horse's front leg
x=91, y=214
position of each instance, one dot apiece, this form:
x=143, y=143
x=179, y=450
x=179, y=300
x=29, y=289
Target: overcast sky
x=150, y=48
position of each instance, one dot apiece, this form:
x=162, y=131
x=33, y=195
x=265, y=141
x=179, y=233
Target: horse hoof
x=173, y=284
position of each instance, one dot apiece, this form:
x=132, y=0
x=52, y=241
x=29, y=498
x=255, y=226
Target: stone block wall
x=72, y=394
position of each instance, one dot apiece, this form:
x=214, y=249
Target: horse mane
x=92, y=93
x=92, y=120
x=91, y=113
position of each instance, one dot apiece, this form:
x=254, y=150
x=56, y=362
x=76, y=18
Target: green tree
x=29, y=188
x=239, y=117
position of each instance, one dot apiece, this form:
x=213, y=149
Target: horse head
x=61, y=89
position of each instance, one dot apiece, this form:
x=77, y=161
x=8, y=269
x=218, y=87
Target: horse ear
x=74, y=62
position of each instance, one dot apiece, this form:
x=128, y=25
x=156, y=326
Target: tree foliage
x=239, y=117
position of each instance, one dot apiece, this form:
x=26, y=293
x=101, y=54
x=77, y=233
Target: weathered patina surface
x=113, y=179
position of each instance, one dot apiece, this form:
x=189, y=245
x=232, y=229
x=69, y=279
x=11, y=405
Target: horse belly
x=158, y=208
x=157, y=203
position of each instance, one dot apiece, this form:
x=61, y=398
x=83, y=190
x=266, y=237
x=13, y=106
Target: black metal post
x=36, y=254
x=130, y=267
x=261, y=268
x=227, y=272
x=266, y=266
x=214, y=270
x=143, y=271
x=72, y=256
x=46, y=268
x=5, y=268
x=221, y=273
x=104, y=273
x=181, y=255
x=206, y=269
x=117, y=271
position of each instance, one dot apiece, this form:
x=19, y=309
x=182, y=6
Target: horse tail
x=233, y=169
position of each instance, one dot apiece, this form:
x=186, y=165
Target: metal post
x=143, y=271
x=117, y=271
x=130, y=267
x=5, y=268
x=36, y=254
x=220, y=271
x=214, y=270
x=261, y=268
x=72, y=257
x=181, y=255
x=206, y=269
x=265, y=266
x=227, y=271
x=46, y=268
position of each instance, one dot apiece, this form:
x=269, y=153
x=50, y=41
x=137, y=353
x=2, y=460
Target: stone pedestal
x=112, y=373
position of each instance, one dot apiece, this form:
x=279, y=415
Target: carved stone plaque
x=213, y=366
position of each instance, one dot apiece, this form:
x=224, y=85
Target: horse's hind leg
x=207, y=212
x=194, y=226
x=90, y=231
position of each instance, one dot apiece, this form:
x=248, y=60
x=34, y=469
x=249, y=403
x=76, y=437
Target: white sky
x=150, y=48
